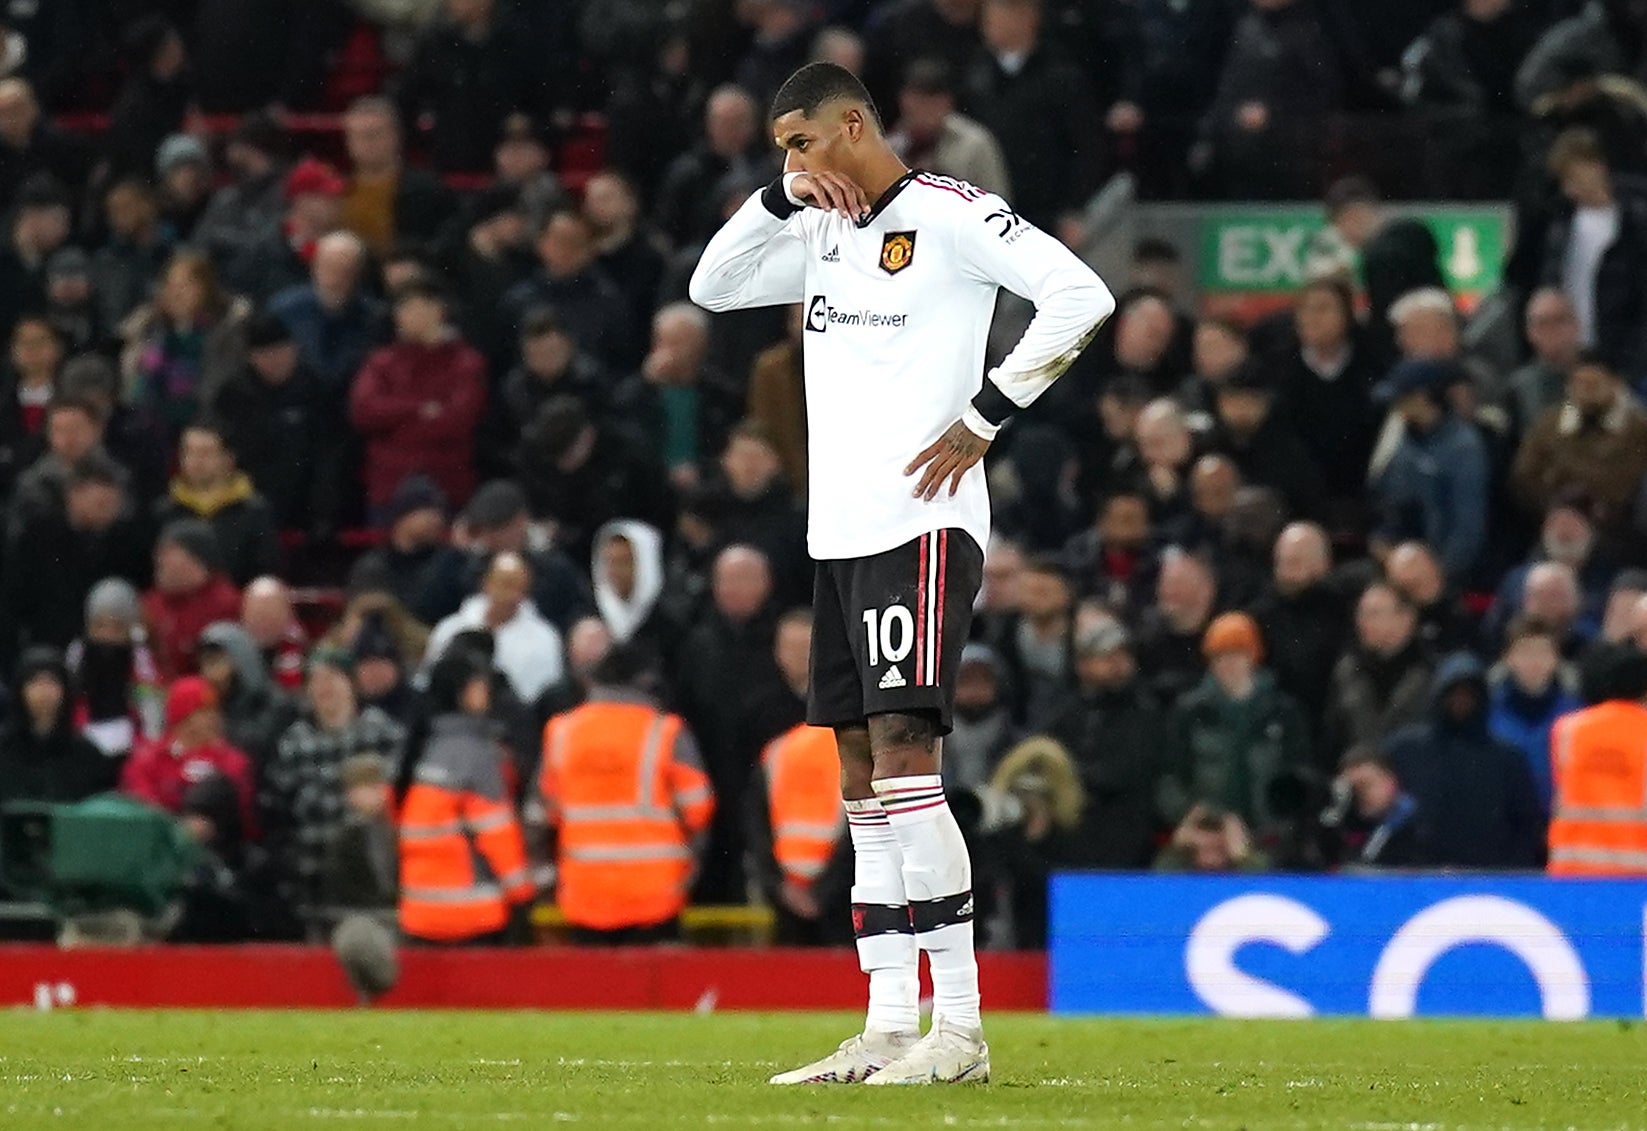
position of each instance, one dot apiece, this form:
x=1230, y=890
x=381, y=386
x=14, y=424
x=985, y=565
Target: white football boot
x=858, y=1059
x=946, y=1055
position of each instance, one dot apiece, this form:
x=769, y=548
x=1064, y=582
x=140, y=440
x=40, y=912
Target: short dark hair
x=97, y=467
x=1223, y=322
x=570, y=213
x=1573, y=146
x=929, y=76
x=423, y=288
x=1592, y=358
x=1397, y=594
x=818, y=83
x=541, y=321
x=1153, y=250
x=211, y=426
x=1365, y=754
x=1346, y=191
x=1048, y=565
x=1525, y=628
x=76, y=402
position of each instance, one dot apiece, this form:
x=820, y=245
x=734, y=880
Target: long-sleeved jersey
x=897, y=315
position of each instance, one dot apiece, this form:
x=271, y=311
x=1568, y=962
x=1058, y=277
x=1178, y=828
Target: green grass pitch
x=130, y=1071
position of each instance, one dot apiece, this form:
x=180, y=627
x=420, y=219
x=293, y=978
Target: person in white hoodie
x=528, y=648
x=627, y=569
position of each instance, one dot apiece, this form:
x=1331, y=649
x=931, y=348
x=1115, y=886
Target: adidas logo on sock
x=892, y=679
x=966, y=909
x=833, y=255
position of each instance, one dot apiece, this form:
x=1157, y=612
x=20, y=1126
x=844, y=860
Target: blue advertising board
x=1398, y=946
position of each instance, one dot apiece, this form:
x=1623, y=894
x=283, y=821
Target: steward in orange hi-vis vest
x=1598, y=759
x=802, y=769
x=626, y=797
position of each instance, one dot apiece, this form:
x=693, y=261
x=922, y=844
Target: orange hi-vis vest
x=462, y=856
x=1599, y=763
x=803, y=795
x=621, y=786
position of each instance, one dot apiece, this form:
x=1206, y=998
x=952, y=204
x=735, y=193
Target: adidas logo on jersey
x=833, y=255
x=893, y=679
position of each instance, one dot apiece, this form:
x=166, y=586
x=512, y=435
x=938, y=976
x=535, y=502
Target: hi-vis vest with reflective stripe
x=462, y=857
x=626, y=809
x=1599, y=763
x=803, y=791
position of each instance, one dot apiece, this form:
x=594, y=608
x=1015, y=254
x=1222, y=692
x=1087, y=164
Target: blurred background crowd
x=351, y=399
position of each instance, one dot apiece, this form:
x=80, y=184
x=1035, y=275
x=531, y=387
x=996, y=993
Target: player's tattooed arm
x=948, y=457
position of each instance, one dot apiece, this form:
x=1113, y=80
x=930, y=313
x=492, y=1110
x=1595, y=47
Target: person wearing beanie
x=184, y=171
x=380, y=673
x=120, y=697
x=303, y=807
x=1236, y=735
x=42, y=757
x=71, y=302
x=191, y=750
x=310, y=201
x=190, y=592
x=414, y=525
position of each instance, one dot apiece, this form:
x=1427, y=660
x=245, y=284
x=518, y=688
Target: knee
x=903, y=745
x=857, y=768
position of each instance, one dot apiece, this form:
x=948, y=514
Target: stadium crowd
x=1299, y=594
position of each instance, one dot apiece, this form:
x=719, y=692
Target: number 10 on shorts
x=889, y=632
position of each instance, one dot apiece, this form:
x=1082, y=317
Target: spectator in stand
x=303, y=800
x=1170, y=632
x=1040, y=107
x=528, y=648
x=1568, y=538
x=1147, y=344
x=1279, y=79
x=482, y=261
x=781, y=43
x=38, y=226
x=1444, y=624
x=755, y=506
x=71, y=302
x=628, y=574
x=587, y=644
x=1326, y=388
x=777, y=401
x=267, y=615
x=676, y=399
x=246, y=212
x=380, y=674
x=1433, y=483
x=933, y=135
x=1264, y=446
x=154, y=98
x=1114, y=561
x=185, y=345
x=209, y=487
x=125, y=269
x=1478, y=806
x=274, y=418
x=73, y=431
x=898, y=34
x=1217, y=350
x=1551, y=595
x=551, y=365
x=31, y=144
x=121, y=699
x=1376, y=819
x=418, y=402
x=134, y=438
x=256, y=712
x=1034, y=643
x=54, y=557
x=1529, y=693
x=581, y=474
x=334, y=321
x=361, y=867
x=29, y=382
x=1118, y=740
x=192, y=749
x=386, y=203
x=414, y=525
x=1214, y=483
x=689, y=203
x=1303, y=617
x=1596, y=252
x=183, y=169
x=190, y=592
x=983, y=728
x=42, y=756
x=1236, y=736
x=1382, y=682
x=1211, y=841
x=1551, y=326
x=590, y=305
x=470, y=70
x=1593, y=444
x=1166, y=448
x=627, y=250
x=726, y=655
x=285, y=256
x=522, y=160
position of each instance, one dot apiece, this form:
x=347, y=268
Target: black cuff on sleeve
x=777, y=201
x=994, y=405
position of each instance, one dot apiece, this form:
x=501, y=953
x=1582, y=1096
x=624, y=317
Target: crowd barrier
x=1388, y=946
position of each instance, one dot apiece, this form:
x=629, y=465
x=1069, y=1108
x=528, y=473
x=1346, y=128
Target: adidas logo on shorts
x=892, y=679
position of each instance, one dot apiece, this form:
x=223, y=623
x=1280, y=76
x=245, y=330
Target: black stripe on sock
x=930, y=914
x=871, y=919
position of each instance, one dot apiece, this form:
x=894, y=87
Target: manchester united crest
x=897, y=251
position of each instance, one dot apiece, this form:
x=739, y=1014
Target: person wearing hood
x=255, y=711
x=302, y=800
x=42, y=758
x=528, y=648
x=1237, y=734
x=983, y=720
x=628, y=574
x=1117, y=738
x=1477, y=802
x=121, y=699
x=190, y=592
x=192, y=749
x=380, y=673
x=1381, y=682
x=1528, y=695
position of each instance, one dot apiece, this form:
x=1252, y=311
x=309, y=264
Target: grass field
x=181, y=1070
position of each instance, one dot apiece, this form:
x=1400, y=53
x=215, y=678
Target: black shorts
x=888, y=630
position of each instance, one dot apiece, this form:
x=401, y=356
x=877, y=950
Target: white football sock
x=880, y=922
x=938, y=884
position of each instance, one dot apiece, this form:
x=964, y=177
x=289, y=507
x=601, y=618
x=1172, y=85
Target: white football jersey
x=897, y=315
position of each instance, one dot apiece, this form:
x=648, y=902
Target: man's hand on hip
x=948, y=457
